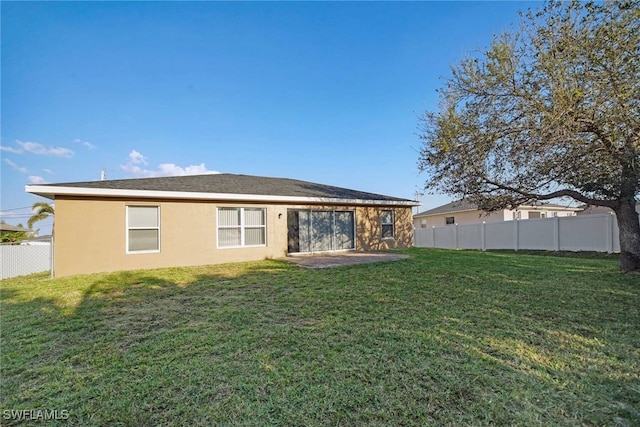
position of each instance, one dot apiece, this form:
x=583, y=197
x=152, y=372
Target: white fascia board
x=51, y=191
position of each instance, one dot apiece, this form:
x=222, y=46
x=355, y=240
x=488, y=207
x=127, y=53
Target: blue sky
x=328, y=92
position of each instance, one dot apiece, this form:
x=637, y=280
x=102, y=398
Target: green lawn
x=441, y=338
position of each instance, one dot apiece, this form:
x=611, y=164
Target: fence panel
x=444, y=237
x=586, y=233
x=423, y=237
x=577, y=233
x=499, y=235
x=537, y=234
x=469, y=236
x=20, y=260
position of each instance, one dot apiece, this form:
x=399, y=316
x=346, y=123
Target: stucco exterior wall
x=468, y=217
x=477, y=217
x=90, y=234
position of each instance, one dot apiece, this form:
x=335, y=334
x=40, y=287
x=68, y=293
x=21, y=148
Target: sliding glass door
x=320, y=231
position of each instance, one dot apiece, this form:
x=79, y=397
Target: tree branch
x=576, y=195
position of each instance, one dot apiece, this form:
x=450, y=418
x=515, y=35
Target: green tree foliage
x=16, y=236
x=549, y=110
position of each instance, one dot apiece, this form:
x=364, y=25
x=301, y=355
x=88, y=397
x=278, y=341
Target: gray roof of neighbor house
x=215, y=186
x=459, y=206
x=596, y=210
x=11, y=228
x=463, y=206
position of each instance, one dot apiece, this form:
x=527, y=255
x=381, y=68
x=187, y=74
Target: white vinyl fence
x=597, y=233
x=22, y=259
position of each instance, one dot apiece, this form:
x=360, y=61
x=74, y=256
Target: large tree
x=549, y=110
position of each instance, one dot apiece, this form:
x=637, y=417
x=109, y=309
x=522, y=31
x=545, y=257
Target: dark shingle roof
x=459, y=206
x=231, y=184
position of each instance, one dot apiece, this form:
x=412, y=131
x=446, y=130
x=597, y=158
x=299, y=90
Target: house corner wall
x=369, y=228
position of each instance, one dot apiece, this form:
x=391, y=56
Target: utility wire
x=14, y=209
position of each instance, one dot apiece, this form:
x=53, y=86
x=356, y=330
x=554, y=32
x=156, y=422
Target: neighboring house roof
x=465, y=206
x=8, y=228
x=218, y=187
x=459, y=206
x=595, y=210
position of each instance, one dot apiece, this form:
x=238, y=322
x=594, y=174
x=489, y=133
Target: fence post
x=52, y=256
x=556, y=233
x=482, y=238
x=433, y=236
x=515, y=234
x=608, y=223
x=455, y=235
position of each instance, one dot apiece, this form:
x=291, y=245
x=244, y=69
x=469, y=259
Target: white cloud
x=15, y=166
x=170, y=169
x=11, y=149
x=164, y=169
x=87, y=144
x=41, y=150
x=137, y=158
x=34, y=179
x=49, y=171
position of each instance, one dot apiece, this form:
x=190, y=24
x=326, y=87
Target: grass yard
x=442, y=338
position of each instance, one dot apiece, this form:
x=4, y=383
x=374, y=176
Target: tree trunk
x=629, y=236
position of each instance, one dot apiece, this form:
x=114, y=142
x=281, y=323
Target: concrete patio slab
x=342, y=259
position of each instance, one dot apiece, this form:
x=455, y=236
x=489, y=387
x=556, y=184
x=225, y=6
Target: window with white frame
x=143, y=229
x=386, y=218
x=241, y=227
x=450, y=220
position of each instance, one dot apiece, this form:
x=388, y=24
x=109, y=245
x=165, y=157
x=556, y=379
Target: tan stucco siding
x=477, y=217
x=91, y=234
x=461, y=218
x=369, y=229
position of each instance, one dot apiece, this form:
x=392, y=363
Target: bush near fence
x=595, y=233
x=22, y=259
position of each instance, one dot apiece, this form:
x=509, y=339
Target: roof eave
x=424, y=214
x=51, y=191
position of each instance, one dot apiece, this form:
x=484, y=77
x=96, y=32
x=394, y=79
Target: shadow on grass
x=563, y=254
x=442, y=338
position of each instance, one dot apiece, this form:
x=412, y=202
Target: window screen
x=143, y=229
x=386, y=218
x=238, y=227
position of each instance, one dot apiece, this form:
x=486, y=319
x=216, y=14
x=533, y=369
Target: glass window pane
x=344, y=230
x=387, y=217
x=228, y=216
x=253, y=217
x=143, y=216
x=254, y=236
x=322, y=230
x=229, y=237
x=143, y=240
x=387, y=230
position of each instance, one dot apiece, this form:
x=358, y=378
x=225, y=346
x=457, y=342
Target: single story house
x=8, y=230
x=129, y=224
x=464, y=212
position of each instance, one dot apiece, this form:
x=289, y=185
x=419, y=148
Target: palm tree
x=42, y=211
